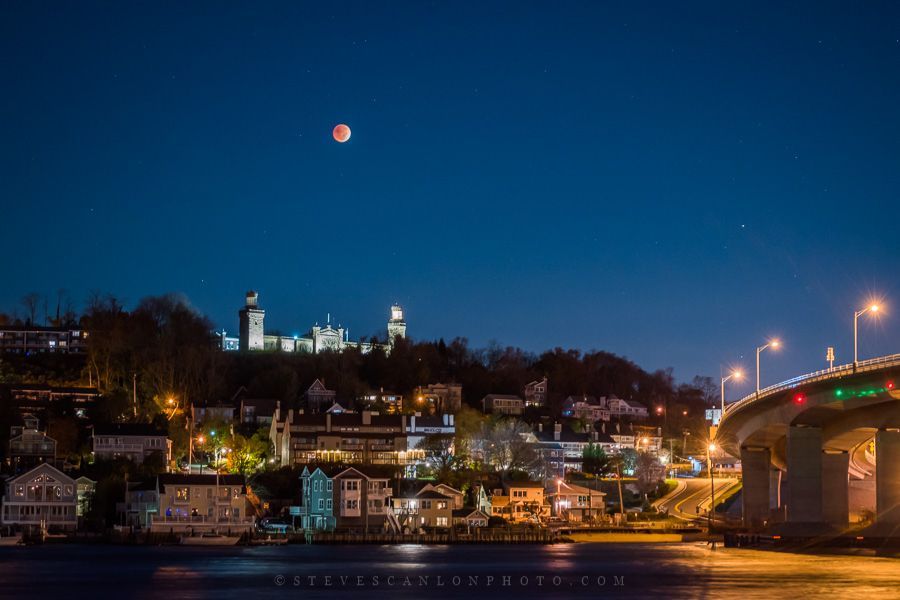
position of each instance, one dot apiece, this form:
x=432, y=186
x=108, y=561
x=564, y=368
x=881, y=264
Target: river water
x=410, y=571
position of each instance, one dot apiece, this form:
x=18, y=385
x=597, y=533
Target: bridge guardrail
x=823, y=375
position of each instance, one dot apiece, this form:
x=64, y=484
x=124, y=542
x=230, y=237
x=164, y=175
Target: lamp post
x=712, y=486
x=734, y=375
x=558, y=485
x=856, y=315
x=774, y=344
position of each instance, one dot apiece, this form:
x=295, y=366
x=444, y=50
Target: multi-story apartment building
x=42, y=497
x=570, y=443
x=26, y=339
x=134, y=441
x=35, y=397
x=348, y=438
x=502, y=404
x=201, y=503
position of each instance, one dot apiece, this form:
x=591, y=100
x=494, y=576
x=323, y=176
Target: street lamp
x=774, y=344
x=736, y=375
x=712, y=487
x=856, y=315
x=558, y=485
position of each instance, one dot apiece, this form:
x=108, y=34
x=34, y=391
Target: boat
x=209, y=539
x=11, y=540
x=269, y=541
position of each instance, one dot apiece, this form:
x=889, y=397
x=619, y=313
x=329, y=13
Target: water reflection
x=666, y=570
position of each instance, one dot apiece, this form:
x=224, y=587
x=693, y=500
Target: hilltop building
x=252, y=335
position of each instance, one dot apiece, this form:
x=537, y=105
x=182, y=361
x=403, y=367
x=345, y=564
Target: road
x=682, y=503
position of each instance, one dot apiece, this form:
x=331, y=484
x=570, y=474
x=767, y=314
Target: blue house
x=316, y=510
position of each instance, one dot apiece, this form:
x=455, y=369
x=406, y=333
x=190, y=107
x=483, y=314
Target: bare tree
x=30, y=302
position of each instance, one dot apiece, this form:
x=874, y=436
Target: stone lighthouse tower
x=396, y=325
x=252, y=317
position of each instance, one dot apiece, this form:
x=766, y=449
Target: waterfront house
x=201, y=503
x=519, y=501
x=457, y=497
x=470, y=517
x=141, y=504
x=426, y=509
x=84, y=492
x=575, y=503
x=362, y=502
x=43, y=497
x=134, y=441
x=316, y=509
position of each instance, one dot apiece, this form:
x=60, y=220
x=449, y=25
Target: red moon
x=341, y=133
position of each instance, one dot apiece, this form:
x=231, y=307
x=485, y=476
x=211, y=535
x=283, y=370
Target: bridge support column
x=804, y=467
x=887, y=477
x=756, y=466
x=835, y=488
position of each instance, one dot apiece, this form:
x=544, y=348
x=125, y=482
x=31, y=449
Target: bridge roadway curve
x=683, y=502
x=795, y=440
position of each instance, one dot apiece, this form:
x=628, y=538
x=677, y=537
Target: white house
x=42, y=497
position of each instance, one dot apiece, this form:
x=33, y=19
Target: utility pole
x=190, y=444
x=621, y=500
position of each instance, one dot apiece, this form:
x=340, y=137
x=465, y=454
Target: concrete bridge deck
x=796, y=438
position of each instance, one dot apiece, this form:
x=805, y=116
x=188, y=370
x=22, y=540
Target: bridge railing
x=862, y=366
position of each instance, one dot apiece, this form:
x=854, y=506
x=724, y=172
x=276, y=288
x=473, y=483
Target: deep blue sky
x=671, y=182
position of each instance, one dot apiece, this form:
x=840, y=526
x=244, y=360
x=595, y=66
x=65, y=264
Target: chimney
x=557, y=431
x=328, y=422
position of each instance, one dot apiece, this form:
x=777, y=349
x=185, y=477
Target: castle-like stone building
x=252, y=335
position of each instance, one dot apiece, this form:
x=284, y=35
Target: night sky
x=671, y=182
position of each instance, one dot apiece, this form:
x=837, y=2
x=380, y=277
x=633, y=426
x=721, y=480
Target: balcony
x=200, y=520
x=120, y=448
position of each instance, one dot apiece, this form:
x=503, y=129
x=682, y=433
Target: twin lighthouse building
x=252, y=335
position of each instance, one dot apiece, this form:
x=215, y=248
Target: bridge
x=800, y=440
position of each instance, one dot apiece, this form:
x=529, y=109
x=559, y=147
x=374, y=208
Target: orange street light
x=874, y=308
